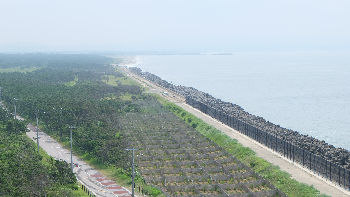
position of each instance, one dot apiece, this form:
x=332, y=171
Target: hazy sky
x=177, y=25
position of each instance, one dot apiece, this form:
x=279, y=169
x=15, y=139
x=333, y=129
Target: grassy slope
x=18, y=69
x=277, y=177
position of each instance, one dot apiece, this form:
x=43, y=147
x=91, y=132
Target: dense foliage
x=83, y=91
x=84, y=104
x=62, y=61
x=23, y=171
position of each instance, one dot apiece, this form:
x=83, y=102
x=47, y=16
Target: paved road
x=297, y=171
x=91, y=178
x=88, y=176
x=4, y=107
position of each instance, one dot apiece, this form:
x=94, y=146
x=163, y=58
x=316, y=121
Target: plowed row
x=180, y=161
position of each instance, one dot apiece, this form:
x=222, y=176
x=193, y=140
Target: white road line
x=83, y=172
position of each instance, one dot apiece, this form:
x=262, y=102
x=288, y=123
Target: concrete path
x=91, y=178
x=295, y=170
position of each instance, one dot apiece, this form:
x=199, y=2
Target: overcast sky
x=177, y=25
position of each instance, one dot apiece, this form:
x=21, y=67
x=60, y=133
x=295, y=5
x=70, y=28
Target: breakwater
x=323, y=158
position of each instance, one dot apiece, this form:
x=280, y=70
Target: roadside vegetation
x=24, y=172
x=277, y=177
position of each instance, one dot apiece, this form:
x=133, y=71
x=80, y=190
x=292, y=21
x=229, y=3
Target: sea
x=308, y=92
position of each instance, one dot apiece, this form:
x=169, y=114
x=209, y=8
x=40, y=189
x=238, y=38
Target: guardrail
x=86, y=190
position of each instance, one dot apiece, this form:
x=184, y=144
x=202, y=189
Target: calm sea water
x=307, y=92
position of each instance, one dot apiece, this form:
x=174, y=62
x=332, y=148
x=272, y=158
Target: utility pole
x=37, y=129
x=71, y=150
x=15, y=107
x=133, y=171
x=61, y=122
x=1, y=104
x=15, y=114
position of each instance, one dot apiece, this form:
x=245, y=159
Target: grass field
x=73, y=82
x=19, y=69
x=114, y=81
x=123, y=97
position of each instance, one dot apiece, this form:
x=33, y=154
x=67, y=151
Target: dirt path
x=295, y=170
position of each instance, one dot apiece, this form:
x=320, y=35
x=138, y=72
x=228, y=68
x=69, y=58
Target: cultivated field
x=182, y=162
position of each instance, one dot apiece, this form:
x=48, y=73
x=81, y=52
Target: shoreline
x=297, y=171
x=220, y=109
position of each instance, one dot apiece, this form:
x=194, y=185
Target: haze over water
x=306, y=92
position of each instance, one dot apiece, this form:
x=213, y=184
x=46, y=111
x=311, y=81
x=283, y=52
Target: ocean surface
x=306, y=91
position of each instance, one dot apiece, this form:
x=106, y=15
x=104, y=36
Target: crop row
x=179, y=160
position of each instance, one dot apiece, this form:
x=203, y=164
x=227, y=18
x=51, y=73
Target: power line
x=133, y=171
x=71, y=147
x=15, y=108
x=37, y=129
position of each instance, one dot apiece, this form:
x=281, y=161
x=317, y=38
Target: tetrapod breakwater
x=320, y=157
